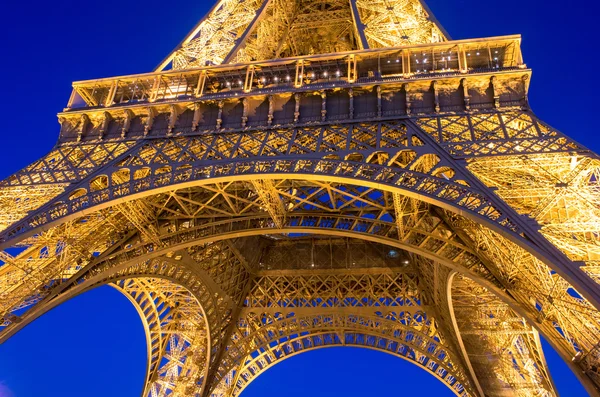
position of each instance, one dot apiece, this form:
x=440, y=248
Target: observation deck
x=375, y=84
x=326, y=71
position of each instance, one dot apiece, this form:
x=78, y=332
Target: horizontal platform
x=326, y=71
x=389, y=99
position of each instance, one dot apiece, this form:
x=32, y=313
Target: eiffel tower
x=299, y=174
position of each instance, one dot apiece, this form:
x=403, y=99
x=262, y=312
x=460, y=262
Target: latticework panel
x=176, y=333
x=286, y=314
x=243, y=31
x=503, y=349
x=189, y=219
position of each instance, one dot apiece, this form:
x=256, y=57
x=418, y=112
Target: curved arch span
x=455, y=388
x=409, y=335
x=118, y=274
x=175, y=324
x=451, y=195
x=234, y=232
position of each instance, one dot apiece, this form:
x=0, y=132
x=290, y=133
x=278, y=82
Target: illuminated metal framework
x=311, y=174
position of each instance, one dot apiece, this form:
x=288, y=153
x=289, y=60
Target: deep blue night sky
x=94, y=345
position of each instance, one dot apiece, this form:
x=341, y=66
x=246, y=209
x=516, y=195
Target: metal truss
x=383, y=188
x=176, y=334
x=193, y=215
x=512, y=345
x=255, y=30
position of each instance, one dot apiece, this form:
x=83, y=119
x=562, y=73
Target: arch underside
x=219, y=229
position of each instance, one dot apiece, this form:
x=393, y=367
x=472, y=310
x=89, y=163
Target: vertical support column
x=62, y=121
x=105, y=123
x=110, y=98
x=270, y=115
x=173, y=116
x=244, y=112
x=352, y=68
x=408, y=102
x=150, y=120
x=351, y=104
x=83, y=123
x=323, y=105
x=406, y=63
x=178, y=89
x=249, y=78
x=519, y=55
x=196, y=119
x=201, y=83
x=155, y=87
x=299, y=74
x=436, y=96
x=466, y=96
x=378, y=101
x=525, y=79
x=220, y=115
x=127, y=122
x=495, y=92
x=297, y=108
x=462, y=59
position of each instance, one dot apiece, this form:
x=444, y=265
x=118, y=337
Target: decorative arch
x=410, y=342
x=462, y=194
x=441, y=242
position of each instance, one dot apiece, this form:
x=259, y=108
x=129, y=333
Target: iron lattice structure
x=318, y=173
